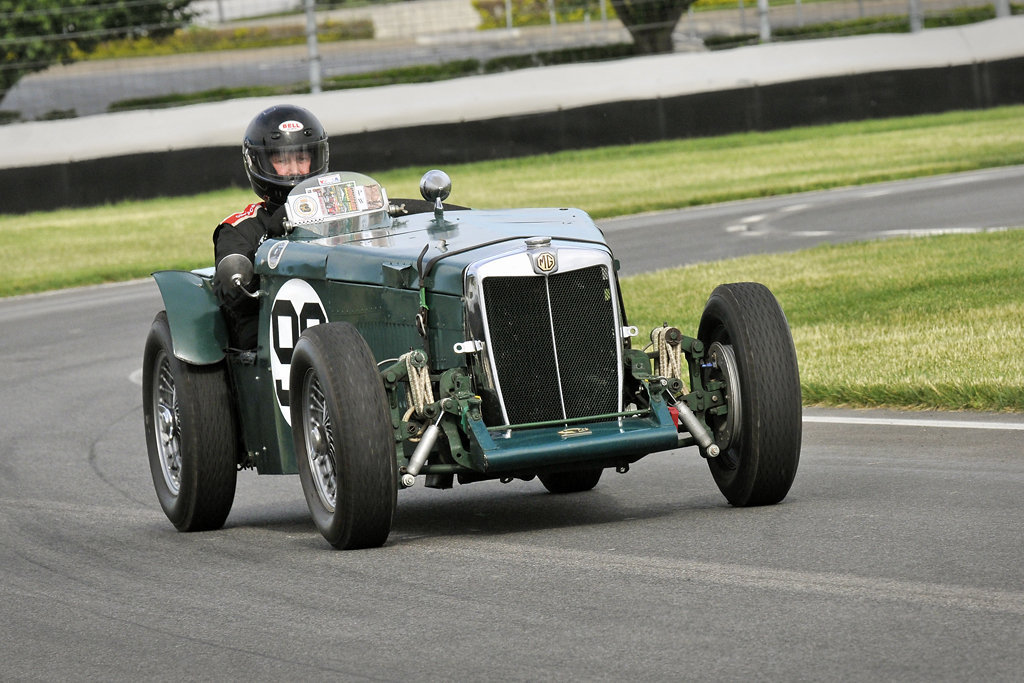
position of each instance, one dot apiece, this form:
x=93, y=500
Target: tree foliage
x=651, y=22
x=37, y=33
x=149, y=17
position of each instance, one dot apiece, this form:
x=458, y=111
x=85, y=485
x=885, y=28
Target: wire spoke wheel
x=191, y=434
x=316, y=421
x=344, y=441
x=167, y=415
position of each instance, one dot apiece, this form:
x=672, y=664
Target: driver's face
x=291, y=163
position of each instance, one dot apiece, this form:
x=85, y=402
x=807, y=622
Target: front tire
x=190, y=434
x=759, y=463
x=344, y=443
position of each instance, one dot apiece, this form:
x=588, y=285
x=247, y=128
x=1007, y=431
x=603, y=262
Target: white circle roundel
x=296, y=308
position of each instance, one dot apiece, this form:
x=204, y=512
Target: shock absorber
x=694, y=426
x=423, y=448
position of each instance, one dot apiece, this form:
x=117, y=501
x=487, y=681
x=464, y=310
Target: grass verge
x=199, y=39
x=886, y=23
x=102, y=244
x=923, y=323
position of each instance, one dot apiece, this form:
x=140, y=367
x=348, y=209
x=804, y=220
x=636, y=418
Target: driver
x=283, y=146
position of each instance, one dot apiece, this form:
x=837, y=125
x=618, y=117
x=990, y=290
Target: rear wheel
x=190, y=434
x=344, y=443
x=571, y=482
x=751, y=350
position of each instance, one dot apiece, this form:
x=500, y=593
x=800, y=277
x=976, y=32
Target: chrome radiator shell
x=548, y=334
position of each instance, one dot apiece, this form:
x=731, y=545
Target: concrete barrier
x=181, y=151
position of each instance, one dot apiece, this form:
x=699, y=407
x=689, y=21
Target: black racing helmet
x=283, y=146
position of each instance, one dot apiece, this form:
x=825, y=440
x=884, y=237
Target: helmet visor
x=287, y=165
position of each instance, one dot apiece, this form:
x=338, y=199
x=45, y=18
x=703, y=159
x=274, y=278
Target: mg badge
x=546, y=261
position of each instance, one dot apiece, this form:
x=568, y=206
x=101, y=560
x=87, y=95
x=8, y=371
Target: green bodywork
x=193, y=312
x=371, y=279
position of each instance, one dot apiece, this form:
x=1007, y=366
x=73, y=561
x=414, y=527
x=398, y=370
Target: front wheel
x=344, y=443
x=190, y=434
x=751, y=351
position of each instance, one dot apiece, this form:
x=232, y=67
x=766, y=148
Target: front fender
x=198, y=330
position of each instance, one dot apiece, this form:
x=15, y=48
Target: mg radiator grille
x=581, y=308
x=522, y=347
x=545, y=328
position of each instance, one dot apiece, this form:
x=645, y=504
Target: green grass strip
x=882, y=23
x=928, y=323
x=615, y=181
x=923, y=323
x=49, y=250
x=200, y=39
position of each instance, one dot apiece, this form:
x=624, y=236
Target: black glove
x=275, y=226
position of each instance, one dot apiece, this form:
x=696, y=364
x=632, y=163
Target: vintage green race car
x=467, y=345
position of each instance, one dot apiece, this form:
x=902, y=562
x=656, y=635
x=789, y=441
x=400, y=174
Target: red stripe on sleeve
x=249, y=212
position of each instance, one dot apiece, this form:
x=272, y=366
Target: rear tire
x=190, y=434
x=571, y=482
x=759, y=463
x=344, y=442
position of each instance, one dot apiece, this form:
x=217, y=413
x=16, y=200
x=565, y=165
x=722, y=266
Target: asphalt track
x=898, y=553
x=991, y=199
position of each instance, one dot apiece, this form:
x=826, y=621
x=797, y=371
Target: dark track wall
x=768, y=107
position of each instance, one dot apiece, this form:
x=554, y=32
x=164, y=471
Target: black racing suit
x=243, y=233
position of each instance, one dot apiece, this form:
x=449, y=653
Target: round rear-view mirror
x=235, y=270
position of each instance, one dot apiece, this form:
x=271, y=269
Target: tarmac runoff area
x=525, y=92
x=897, y=554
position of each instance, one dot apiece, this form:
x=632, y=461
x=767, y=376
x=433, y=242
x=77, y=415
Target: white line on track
x=899, y=422
x=934, y=232
x=959, y=180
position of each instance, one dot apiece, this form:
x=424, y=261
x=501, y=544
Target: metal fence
x=233, y=48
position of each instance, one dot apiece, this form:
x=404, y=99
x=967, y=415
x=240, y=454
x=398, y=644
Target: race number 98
x=297, y=307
